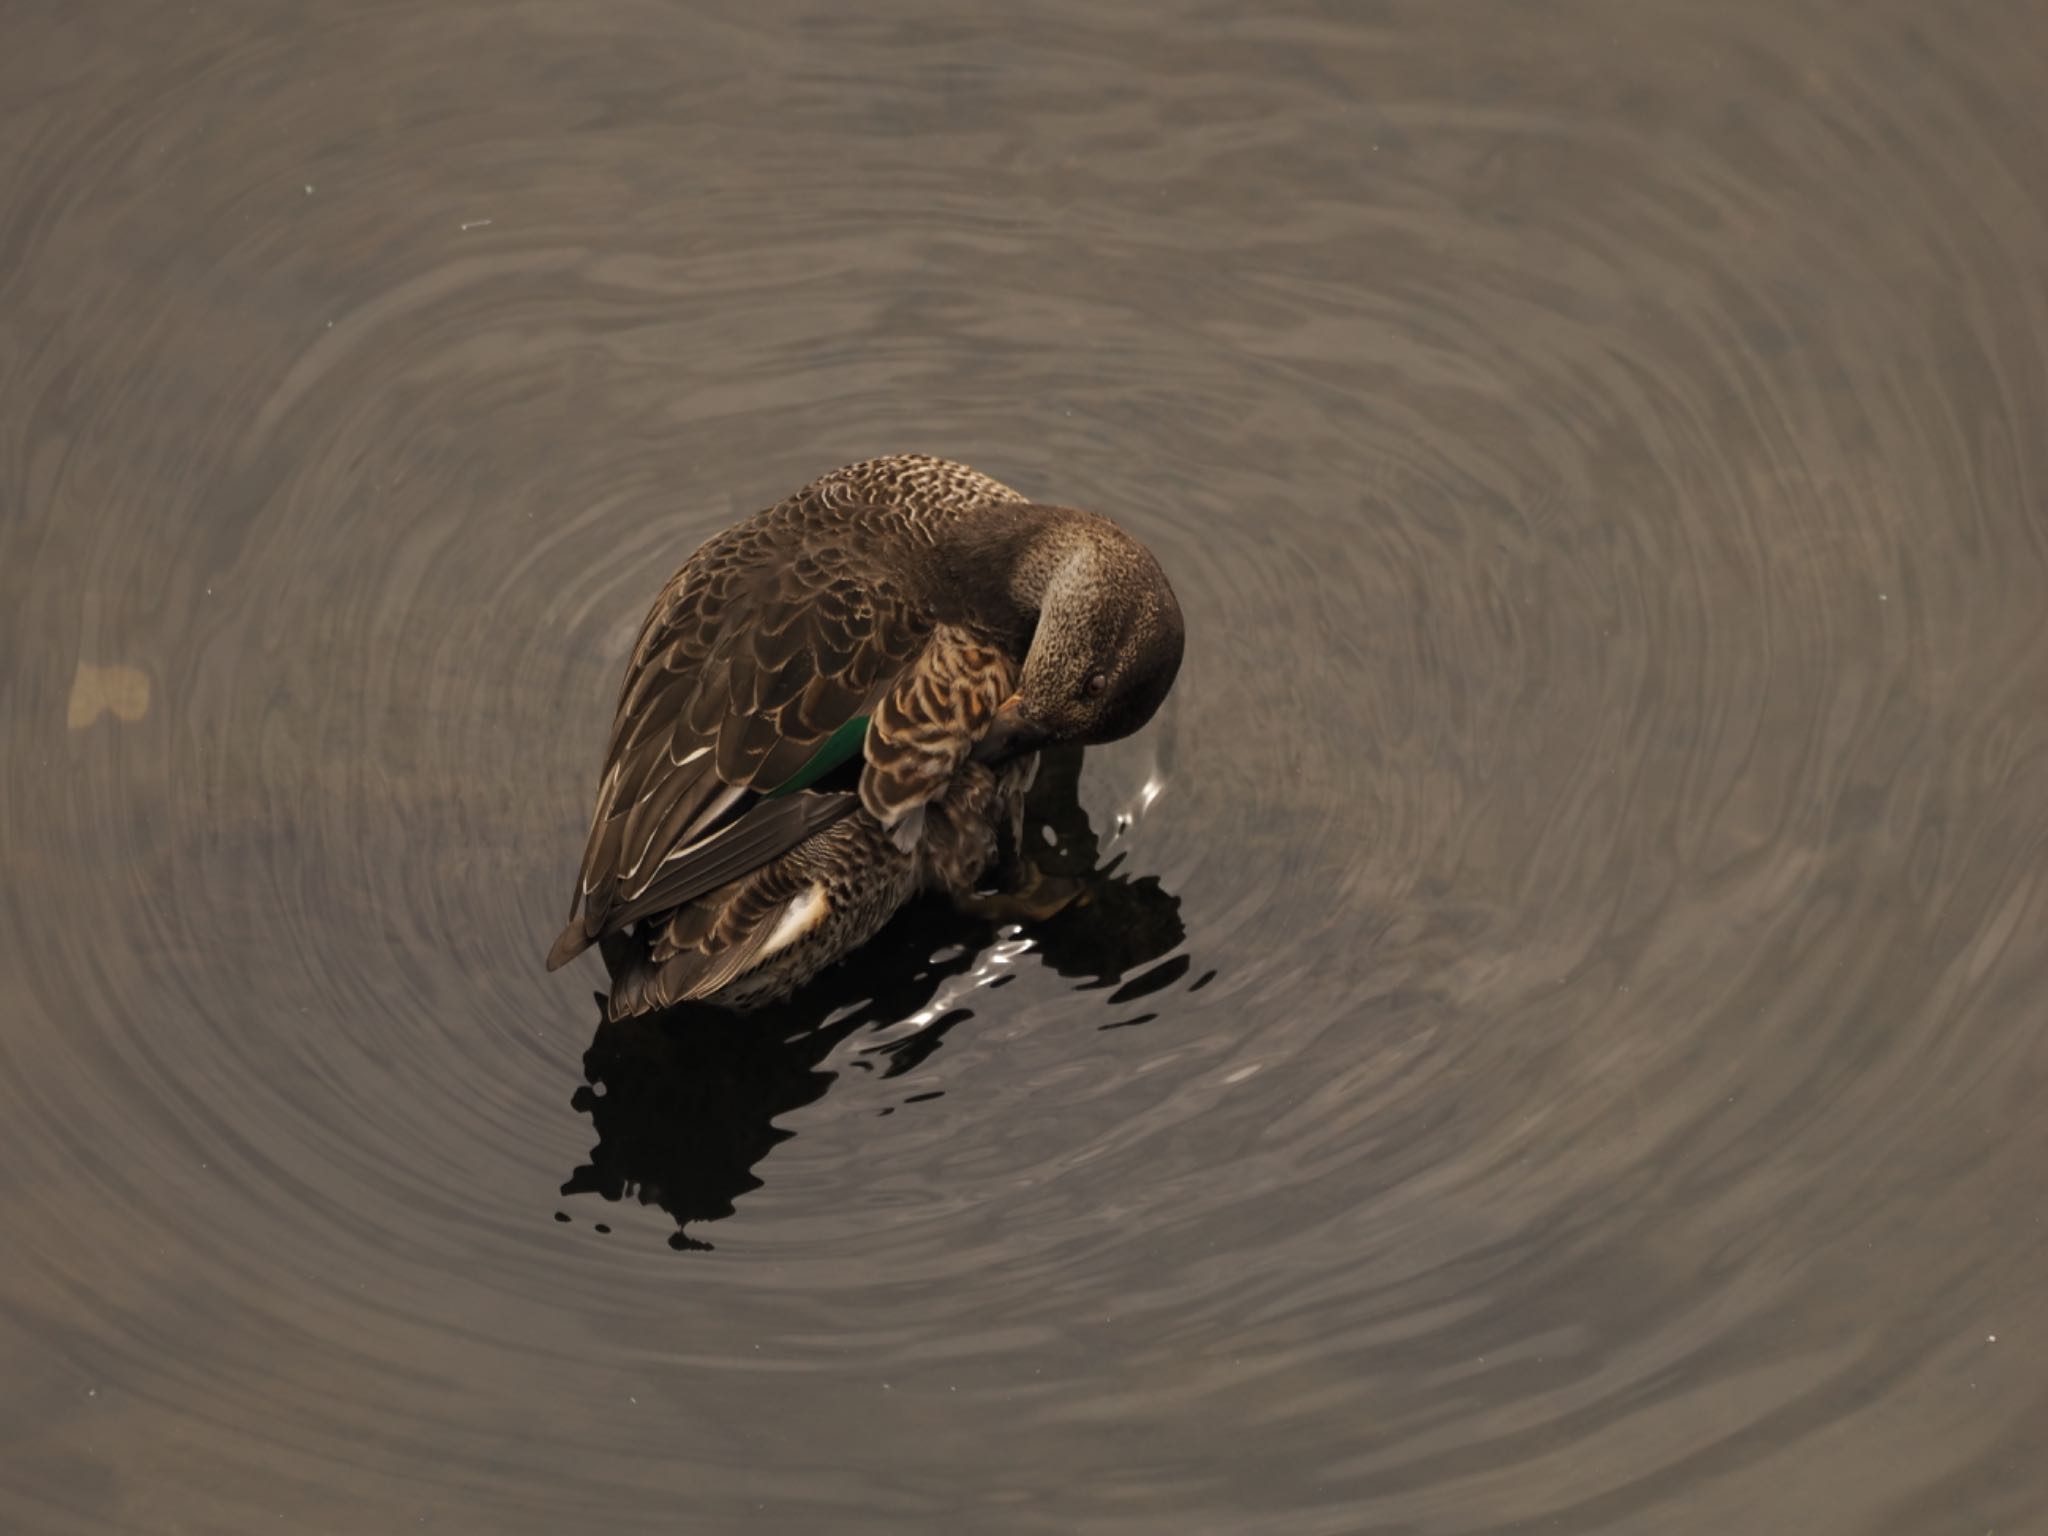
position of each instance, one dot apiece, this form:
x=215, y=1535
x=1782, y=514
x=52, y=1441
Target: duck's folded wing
x=763, y=832
x=750, y=662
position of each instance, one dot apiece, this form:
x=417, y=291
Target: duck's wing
x=753, y=667
x=919, y=733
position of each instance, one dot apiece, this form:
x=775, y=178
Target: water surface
x=1558, y=1040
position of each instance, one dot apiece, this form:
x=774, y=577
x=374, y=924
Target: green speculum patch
x=843, y=745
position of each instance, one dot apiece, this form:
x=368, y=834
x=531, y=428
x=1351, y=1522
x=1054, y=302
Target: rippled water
x=1563, y=1046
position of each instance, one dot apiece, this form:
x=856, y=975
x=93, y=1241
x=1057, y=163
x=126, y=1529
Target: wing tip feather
x=572, y=942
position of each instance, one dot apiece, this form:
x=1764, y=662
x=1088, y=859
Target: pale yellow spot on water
x=122, y=692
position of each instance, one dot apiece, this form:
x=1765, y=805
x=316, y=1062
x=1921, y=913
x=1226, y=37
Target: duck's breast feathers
x=929, y=722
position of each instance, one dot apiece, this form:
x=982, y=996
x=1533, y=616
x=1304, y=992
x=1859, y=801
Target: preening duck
x=839, y=702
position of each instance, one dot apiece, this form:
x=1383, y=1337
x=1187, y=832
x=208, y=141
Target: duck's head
x=1105, y=646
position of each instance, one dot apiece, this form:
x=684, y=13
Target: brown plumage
x=732, y=854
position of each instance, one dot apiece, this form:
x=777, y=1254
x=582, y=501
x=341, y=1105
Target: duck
x=838, y=704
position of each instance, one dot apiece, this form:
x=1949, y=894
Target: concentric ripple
x=1554, y=1036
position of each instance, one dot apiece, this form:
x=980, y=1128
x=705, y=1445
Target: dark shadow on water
x=685, y=1103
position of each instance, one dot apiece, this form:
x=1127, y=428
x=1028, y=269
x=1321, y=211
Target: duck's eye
x=1096, y=684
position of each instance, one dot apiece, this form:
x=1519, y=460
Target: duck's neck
x=998, y=571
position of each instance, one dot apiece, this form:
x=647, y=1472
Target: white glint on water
x=991, y=967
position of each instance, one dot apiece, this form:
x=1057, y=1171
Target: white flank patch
x=906, y=832
x=798, y=918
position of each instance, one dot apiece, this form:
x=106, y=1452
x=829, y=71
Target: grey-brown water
x=1600, y=451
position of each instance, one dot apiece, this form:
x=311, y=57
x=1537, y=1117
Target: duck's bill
x=1011, y=734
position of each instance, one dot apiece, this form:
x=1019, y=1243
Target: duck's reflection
x=685, y=1102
